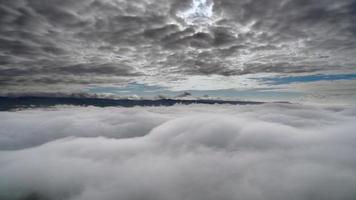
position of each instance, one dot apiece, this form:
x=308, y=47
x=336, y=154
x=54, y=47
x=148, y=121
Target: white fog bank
x=196, y=152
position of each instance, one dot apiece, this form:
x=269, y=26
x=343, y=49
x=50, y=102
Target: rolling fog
x=195, y=152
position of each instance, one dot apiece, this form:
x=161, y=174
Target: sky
x=270, y=50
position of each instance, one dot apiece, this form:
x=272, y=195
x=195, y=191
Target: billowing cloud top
x=196, y=152
x=49, y=44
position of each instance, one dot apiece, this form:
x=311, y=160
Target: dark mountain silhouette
x=11, y=103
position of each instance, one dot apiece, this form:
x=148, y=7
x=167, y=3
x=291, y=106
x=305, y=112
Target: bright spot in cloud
x=201, y=12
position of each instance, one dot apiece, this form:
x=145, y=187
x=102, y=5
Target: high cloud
x=53, y=43
x=269, y=152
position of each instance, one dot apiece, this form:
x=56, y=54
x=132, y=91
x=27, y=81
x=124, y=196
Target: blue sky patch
x=309, y=78
x=143, y=90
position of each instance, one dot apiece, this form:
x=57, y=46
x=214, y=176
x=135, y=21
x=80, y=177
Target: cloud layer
x=270, y=152
x=59, y=42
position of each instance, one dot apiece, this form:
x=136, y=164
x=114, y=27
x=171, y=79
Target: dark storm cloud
x=134, y=38
x=78, y=69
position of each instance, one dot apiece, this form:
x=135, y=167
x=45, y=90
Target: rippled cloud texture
x=197, y=152
x=46, y=45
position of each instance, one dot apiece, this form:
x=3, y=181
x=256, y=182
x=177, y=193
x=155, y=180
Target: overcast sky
x=251, y=49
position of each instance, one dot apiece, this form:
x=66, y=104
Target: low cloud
x=270, y=152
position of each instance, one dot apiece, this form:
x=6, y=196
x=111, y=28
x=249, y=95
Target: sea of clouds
x=195, y=152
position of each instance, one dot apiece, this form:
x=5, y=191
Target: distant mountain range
x=11, y=103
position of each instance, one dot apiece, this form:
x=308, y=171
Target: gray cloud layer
x=91, y=41
x=267, y=152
